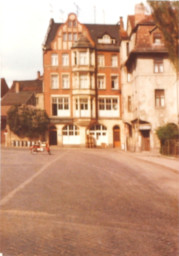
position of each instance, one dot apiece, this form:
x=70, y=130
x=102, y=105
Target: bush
x=167, y=132
x=26, y=121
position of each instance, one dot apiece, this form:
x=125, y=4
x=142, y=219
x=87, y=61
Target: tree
x=167, y=132
x=26, y=121
x=165, y=14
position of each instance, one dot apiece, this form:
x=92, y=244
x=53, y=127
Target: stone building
x=82, y=92
x=149, y=82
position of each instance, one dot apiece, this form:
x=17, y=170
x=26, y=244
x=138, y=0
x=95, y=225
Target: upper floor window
x=158, y=66
x=114, y=82
x=60, y=106
x=65, y=81
x=83, y=58
x=114, y=62
x=84, y=82
x=65, y=59
x=65, y=36
x=106, y=39
x=101, y=82
x=159, y=98
x=157, y=39
x=101, y=61
x=54, y=59
x=54, y=81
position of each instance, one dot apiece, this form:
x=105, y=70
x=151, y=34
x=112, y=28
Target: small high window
x=158, y=66
x=159, y=98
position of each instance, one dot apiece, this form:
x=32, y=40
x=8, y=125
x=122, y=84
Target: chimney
x=38, y=74
x=139, y=12
x=17, y=87
x=121, y=24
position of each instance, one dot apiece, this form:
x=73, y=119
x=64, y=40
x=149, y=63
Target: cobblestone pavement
x=91, y=202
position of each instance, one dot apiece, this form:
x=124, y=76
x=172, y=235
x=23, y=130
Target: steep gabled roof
x=96, y=31
x=28, y=86
x=13, y=98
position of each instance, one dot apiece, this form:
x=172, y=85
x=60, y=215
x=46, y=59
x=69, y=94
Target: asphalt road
x=86, y=202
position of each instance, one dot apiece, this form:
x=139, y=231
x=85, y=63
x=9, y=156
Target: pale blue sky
x=23, y=26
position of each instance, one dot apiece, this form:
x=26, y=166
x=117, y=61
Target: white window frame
x=65, y=81
x=101, y=60
x=108, y=106
x=114, y=60
x=65, y=60
x=54, y=80
x=101, y=82
x=54, y=59
x=83, y=58
x=82, y=107
x=114, y=82
x=84, y=82
x=62, y=105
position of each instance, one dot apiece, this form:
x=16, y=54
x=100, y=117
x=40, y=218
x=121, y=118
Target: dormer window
x=106, y=39
x=157, y=39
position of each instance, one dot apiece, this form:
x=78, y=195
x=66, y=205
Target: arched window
x=70, y=130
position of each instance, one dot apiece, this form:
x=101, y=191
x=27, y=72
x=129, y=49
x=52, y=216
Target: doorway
x=53, y=135
x=116, y=137
x=145, y=140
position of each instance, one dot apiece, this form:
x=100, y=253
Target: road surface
x=86, y=202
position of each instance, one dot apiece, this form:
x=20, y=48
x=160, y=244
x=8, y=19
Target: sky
x=24, y=24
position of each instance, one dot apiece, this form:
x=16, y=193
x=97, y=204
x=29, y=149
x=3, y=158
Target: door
x=116, y=137
x=145, y=140
x=53, y=135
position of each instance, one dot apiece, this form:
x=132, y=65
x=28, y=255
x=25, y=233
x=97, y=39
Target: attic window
x=106, y=39
x=157, y=39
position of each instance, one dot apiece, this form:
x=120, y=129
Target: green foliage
x=27, y=121
x=167, y=132
x=165, y=14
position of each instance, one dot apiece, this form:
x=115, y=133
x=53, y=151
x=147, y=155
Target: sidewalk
x=167, y=161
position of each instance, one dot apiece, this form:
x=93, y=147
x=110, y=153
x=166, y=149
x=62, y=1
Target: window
x=129, y=104
x=70, y=130
x=83, y=58
x=101, y=62
x=54, y=81
x=75, y=36
x=158, y=66
x=65, y=59
x=101, y=82
x=65, y=81
x=82, y=107
x=114, y=61
x=70, y=36
x=54, y=59
x=84, y=83
x=159, y=98
x=106, y=39
x=64, y=36
x=157, y=39
x=114, y=82
x=60, y=106
x=108, y=104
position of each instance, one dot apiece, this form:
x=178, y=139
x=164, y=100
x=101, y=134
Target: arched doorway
x=53, y=135
x=116, y=136
x=99, y=134
x=71, y=135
